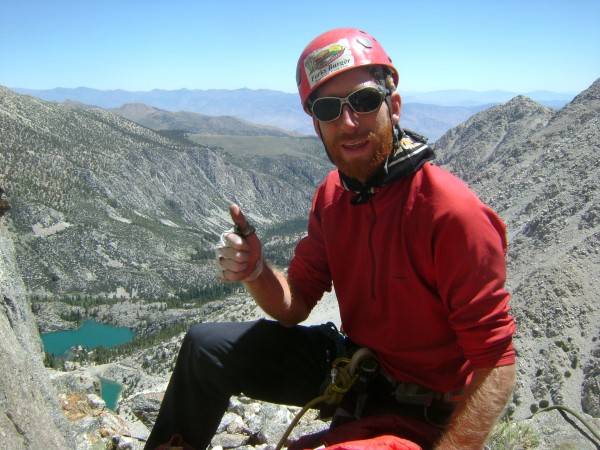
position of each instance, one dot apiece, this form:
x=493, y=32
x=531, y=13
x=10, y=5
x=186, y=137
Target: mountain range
x=433, y=113
x=102, y=206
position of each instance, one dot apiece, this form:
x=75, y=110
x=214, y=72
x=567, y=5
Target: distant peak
x=591, y=93
x=522, y=100
x=136, y=107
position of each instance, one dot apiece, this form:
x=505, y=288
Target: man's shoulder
x=329, y=191
x=442, y=182
x=331, y=183
x=435, y=192
x=432, y=170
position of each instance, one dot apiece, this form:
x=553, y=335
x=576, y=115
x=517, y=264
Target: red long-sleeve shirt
x=418, y=272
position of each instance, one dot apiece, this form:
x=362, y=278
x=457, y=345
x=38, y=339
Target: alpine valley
x=112, y=215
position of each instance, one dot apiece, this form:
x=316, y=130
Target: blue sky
x=140, y=45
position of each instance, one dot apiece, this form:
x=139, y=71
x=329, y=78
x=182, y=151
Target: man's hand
x=239, y=252
x=239, y=258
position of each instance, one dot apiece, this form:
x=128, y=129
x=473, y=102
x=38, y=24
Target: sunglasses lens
x=327, y=108
x=365, y=100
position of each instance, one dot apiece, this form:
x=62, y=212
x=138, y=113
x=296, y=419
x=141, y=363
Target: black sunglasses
x=362, y=101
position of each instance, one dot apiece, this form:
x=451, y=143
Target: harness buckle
x=416, y=394
x=413, y=394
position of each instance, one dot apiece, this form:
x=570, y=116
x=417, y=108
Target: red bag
x=374, y=432
x=377, y=443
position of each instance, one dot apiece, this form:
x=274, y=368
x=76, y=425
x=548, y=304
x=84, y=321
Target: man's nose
x=348, y=117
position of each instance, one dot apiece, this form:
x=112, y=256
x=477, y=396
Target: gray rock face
x=93, y=424
x=145, y=406
x=30, y=416
x=43, y=409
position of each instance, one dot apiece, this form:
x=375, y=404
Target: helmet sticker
x=327, y=60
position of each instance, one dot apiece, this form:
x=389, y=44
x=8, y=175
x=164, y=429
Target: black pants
x=269, y=362
x=264, y=360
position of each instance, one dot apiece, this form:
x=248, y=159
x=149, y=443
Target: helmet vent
x=365, y=42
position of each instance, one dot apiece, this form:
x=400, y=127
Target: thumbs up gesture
x=239, y=251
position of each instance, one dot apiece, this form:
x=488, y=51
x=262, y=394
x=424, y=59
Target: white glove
x=258, y=268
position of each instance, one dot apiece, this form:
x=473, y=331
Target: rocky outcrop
x=30, y=416
x=41, y=408
x=489, y=134
x=94, y=425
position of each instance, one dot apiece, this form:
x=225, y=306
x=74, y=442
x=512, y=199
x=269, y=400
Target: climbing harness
x=344, y=374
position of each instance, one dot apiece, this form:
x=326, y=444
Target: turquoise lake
x=91, y=335
x=110, y=392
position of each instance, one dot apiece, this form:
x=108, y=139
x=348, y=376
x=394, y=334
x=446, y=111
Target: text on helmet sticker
x=327, y=60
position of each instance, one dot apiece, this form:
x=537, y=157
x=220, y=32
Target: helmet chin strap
x=323, y=141
x=396, y=131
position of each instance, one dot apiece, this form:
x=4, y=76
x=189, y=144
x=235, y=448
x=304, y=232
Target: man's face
x=358, y=144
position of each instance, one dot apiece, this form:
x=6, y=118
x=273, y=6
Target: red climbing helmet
x=334, y=52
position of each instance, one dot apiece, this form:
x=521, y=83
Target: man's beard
x=361, y=170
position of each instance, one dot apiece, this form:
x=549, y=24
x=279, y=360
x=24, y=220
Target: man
x=417, y=262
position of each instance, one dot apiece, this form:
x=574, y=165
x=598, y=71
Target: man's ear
x=396, y=105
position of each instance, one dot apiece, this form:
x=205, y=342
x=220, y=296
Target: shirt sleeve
x=469, y=256
x=309, y=269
